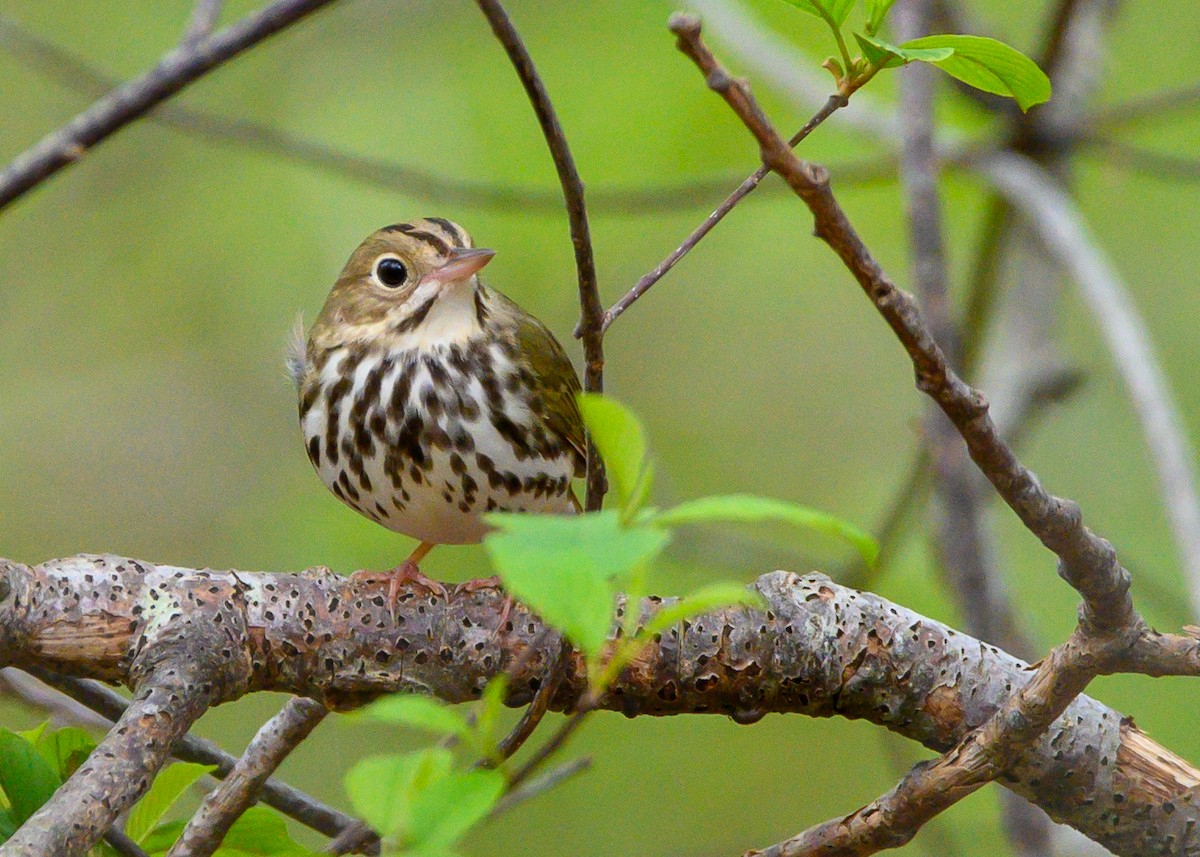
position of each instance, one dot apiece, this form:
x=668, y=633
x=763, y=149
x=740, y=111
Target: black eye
x=391, y=272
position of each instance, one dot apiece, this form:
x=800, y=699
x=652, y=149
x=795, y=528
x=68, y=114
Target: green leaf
x=744, y=508
x=835, y=9
x=877, y=10
x=491, y=703
x=27, y=778
x=167, y=788
x=448, y=808
x=8, y=825
x=704, y=600
x=988, y=65
x=619, y=436
x=383, y=788
x=879, y=52
x=162, y=837
x=262, y=831
x=65, y=749
x=568, y=569
x=420, y=712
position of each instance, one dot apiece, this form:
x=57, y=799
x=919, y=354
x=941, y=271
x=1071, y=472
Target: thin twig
x=743, y=190
x=206, y=829
x=554, y=743
x=541, y=784
x=537, y=708
x=73, y=72
x=591, y=323
x=132, y=100
x=123, y=845
x=63, y=710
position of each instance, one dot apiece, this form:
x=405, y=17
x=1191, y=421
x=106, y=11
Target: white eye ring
x=390, y=276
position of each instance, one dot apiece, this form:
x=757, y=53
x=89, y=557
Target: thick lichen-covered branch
x=819, y=649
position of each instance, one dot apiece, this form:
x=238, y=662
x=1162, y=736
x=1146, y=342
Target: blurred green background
x=146, y=293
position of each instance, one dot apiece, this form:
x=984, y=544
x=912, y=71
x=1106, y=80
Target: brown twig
x=134, y=99
x=591, y=323
x=540, y=785
x=556, y=671
x=206, y=829
x=743, y=190
x=1109, y=626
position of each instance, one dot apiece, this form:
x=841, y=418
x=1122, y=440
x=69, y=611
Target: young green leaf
x=65, y=749
x=879, y=52
x=383, y=788
x=619, y=436
x=568, y=568
x=838, y=10
x=988, y=65
x=448, y=808
x=27, y=778
x=168, y=787
x=8, y=825
x=491, y=703
x=744, y=508
x=420, y=712
x=704, y=600
x=877, y=10
x=262, y=831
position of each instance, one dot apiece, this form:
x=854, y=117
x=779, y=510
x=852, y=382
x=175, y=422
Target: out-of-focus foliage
x=146, y=293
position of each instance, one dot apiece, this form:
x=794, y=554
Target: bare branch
x=541, y=784
x=63, y=710
x=591, y=322
x=743, y=190
x=1062, y=229
x=132, y=100
x=223, y=806
x=71, y=71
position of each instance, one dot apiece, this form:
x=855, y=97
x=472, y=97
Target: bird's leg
x=493, y=582
x=408, y=572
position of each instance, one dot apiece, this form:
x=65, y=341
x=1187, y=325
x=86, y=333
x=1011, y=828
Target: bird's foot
x=408, y=573
x=481, y=583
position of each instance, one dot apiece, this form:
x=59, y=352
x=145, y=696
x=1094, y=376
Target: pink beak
x=462, y=265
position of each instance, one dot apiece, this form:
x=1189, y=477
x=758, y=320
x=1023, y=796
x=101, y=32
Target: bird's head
x=404, y=280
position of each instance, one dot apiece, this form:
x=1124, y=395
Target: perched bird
x=428, y=399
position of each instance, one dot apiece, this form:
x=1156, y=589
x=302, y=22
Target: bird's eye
x=391, y=272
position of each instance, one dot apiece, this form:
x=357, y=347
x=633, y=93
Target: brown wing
x=558, y=385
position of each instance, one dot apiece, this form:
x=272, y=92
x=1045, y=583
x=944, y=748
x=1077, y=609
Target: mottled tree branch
x=134, y=99
x=819, y=649
x=206, y=829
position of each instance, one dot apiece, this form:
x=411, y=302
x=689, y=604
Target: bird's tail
x=296, y=354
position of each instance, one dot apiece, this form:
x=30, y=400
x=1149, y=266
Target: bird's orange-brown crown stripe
x=457, y=236
x=421, y=235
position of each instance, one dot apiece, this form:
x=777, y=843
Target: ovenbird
x=428, y=399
